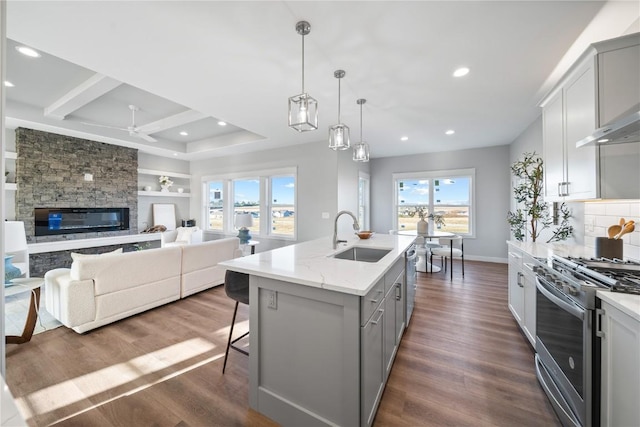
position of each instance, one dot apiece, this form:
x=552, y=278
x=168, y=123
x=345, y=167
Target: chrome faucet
x=356, y=227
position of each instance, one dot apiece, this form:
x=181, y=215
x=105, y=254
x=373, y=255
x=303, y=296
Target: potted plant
x=533, y=216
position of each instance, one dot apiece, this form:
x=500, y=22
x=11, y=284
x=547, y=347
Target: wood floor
x=462, y=362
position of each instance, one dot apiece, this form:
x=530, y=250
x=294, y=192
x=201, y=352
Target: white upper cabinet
x=601, y=87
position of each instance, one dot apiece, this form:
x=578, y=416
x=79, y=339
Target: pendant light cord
x=303, y=63
x=339, y=100
x=361, y=123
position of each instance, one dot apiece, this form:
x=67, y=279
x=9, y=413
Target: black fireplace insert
x=53, y=221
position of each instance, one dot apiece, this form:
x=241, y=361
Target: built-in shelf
x=167, y=173
x=163, y=194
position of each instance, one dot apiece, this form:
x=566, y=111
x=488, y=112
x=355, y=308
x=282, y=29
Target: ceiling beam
x=171, y=122
x=86, y=92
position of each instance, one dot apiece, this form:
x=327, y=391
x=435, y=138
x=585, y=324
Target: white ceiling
x=239, y=61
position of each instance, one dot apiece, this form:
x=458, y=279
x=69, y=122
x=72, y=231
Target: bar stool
x=447, y=253
x=236, y=286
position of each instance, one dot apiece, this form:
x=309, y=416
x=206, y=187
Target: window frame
x=469, y=173
x=264, y=177
x=364, y=200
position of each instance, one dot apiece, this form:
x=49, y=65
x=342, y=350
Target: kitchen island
x=324, y=330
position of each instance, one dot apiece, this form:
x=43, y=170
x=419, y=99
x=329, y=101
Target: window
x=282, y=205
x=446, y=193
x=215, y=205
x=246, y=199
x=363, y=200
x=269, y=196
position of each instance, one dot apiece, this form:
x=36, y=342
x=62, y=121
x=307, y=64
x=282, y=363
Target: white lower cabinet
x=620, y=376
x=522, y=292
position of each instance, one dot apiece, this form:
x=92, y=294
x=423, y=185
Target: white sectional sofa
x=100, y=289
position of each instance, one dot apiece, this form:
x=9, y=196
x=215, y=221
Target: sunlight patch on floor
x=74, y=390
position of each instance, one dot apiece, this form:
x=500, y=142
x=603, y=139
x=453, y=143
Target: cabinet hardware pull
x=375, y=301
x=599, y=313
x=520, y=275
x=375, y=322
x=398, y=291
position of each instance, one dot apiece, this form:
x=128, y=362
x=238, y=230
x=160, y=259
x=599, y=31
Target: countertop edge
x=627, y=303
x=316, y=279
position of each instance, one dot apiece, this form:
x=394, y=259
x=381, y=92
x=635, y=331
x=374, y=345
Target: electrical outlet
x=272, y=300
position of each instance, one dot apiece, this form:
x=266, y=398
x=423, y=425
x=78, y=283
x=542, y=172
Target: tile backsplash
x=598, y=216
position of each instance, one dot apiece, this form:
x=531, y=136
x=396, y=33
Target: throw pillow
x=76, y=256
x=184, y=233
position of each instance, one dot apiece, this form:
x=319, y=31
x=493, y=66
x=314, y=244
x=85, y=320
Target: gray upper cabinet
x=601, y=87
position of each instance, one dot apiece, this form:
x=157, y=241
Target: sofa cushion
x=126, y=270
x=76, y=256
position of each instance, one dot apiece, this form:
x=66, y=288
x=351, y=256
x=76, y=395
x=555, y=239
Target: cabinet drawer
x=371, y=301
x=391, y=276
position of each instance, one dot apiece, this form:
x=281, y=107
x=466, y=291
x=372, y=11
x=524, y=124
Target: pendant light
x=303, y=109
x=339, y=135
x=361, y=149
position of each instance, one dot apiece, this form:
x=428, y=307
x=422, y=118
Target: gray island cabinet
x=324, y=331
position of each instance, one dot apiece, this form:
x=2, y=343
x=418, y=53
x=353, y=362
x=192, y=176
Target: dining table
x=426, y=238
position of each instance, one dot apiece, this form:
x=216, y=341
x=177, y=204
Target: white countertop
x=309, y=263
x=544, y=250
x=627, y=303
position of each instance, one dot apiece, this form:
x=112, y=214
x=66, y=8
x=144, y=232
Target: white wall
x=316, y=185
x=348, y=188
x=492, y=193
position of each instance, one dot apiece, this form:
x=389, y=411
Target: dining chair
x=236, y=286
x=15, y=243
x=455, y=249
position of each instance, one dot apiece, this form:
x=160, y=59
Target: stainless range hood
x=626, y=129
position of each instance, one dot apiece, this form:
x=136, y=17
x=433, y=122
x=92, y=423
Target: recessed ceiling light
x=175, y=154
x=27, y=51
x=7, y=83
x=450, y=132
x=404, y=138
x=603, y=140
x=184, y=133
x=221, y=123
x=462, y=71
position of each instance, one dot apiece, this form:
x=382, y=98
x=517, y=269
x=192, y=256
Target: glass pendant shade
x=339, y=135
x=303, y=109
x=361, y=149
x=361, y=152
x=303, y=113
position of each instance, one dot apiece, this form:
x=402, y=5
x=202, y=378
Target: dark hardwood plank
x=462, y=362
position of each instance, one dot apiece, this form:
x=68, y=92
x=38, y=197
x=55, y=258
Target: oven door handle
x=568, y=307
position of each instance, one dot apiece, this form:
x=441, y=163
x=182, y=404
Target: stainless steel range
x=567, y=330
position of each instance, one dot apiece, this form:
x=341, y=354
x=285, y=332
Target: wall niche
x=52, y=171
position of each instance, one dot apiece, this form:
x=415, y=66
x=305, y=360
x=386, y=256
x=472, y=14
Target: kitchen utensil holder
x=608, y=248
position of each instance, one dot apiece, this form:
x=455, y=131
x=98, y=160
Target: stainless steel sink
x=359, y=253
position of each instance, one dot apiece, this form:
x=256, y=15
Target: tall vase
x=10, y=271
x=164, y=188
x=422, y=227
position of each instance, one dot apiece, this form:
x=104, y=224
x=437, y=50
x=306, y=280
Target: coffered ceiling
x=189, y=65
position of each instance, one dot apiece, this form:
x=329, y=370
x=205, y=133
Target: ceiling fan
x=133, y=129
